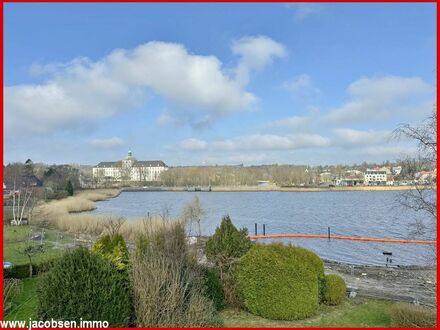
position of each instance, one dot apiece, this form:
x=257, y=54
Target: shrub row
x=163, y=287
x=22, y=271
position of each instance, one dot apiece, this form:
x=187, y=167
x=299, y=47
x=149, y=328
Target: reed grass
x=65, y=215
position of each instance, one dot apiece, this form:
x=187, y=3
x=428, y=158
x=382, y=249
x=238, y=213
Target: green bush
x=412, y=316
x=22, y=271
x=224, y=249
x=114, y=249
x=69, y=188
x=227, y=243
x=214, y=288
x=84, y=285
x=334, y=289
x=280, y=282
x=17, y=271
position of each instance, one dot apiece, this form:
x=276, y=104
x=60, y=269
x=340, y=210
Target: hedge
x=22, y=271
x=411, y=316
x=334, y=289
x=280, y=282
x=82, y=285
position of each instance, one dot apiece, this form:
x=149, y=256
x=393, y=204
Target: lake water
x=364, y=214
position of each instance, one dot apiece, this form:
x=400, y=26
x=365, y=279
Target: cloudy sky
x=215, y=83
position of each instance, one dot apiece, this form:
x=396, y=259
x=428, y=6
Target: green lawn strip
x=370, y=313
x=20, y=233
x=24, y=303
x=16, y=239
x=15, y=233
x=353, y=313
x=13, y=253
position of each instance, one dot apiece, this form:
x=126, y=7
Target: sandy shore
x=409, y=284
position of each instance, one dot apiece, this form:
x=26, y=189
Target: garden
x=162, y=280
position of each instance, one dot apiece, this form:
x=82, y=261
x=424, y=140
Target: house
x=129, y=169
x=350, y=178
x=425, y=177
x=396, y=170
x=378, y=176
x=327, y=178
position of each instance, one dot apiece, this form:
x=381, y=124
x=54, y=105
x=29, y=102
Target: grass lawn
x=16, y=238
x=357, y=312
x=24, y=303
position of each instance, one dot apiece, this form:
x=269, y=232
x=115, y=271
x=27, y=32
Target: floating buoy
x=349, y=238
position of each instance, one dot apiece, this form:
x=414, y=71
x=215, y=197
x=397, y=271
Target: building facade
x=129, y=169
x=377, y=177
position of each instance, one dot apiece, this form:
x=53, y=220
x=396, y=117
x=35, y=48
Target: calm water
x=367, y=214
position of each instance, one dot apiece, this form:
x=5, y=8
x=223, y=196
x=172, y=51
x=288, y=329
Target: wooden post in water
x=328, y=229
x=264, y=229
x=256, y=232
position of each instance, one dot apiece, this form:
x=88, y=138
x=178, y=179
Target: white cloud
x=256, y=52
x=390, y=152
x=271, y=142
x=352, y=137
x=110, y=143
x=80, y=93
x=186, y=79
x=167, y=119
x=193, y=144
x=377, y=99
x=302, y=88
x=294, y=122
x=304, y=10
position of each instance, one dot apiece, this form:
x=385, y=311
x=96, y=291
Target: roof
x=106, y=164
x=150, y=163
x=136, y=163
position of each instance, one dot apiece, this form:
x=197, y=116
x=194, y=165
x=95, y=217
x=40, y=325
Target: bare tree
x=113, y=225
x=422, y=198
x=21, y=198
x=31, y=249
x=193, y=213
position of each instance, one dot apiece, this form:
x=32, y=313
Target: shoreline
x=269, y=189
x=411, y=284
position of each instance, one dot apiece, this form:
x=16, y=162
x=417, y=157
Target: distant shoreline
x=272, y=189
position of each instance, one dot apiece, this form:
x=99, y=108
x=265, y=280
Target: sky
x=206, y=84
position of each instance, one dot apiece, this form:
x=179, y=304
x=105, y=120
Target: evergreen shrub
x=280, y=282
x=334, y=289
x=84, y=285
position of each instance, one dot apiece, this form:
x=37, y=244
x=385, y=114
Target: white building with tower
x=129, y=169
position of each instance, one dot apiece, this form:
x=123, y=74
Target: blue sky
x=216, y=83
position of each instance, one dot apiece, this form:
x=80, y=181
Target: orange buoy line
x=350, y=238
